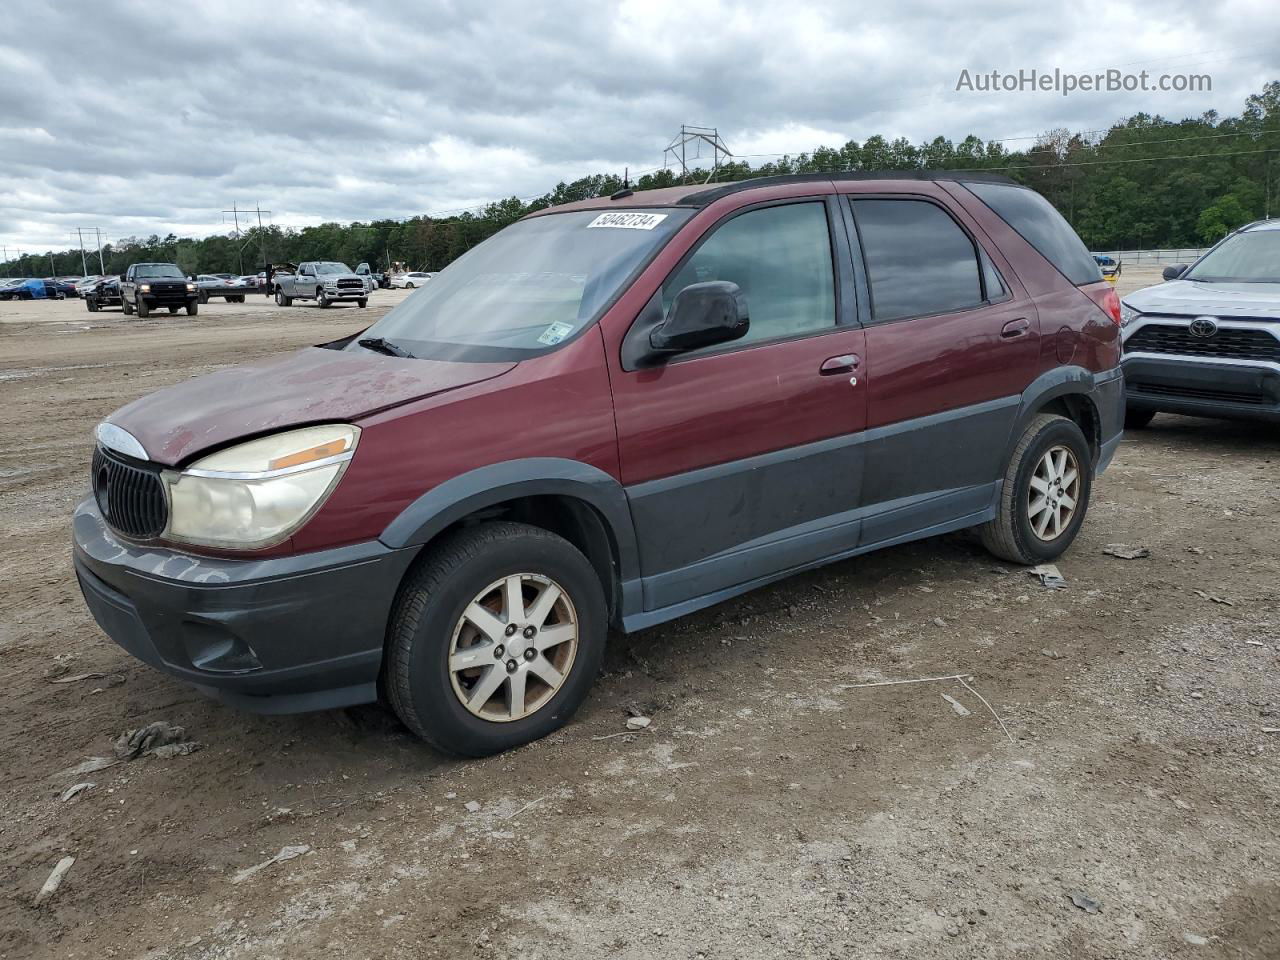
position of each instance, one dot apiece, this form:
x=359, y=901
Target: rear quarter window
x=1042, y=226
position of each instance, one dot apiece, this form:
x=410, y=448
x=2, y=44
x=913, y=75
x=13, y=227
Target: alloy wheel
x=1054, y=492
x=513, y=647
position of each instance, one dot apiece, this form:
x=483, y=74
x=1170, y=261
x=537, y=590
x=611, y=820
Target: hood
x=311, y=386
x=1191, y=298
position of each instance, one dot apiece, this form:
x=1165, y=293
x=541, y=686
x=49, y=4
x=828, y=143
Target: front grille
x=131, y=498
x=351, y=284
x=1229, y=343
x=1198, y=393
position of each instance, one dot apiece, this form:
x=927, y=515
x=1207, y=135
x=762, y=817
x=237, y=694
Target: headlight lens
x=145, y=288
x=258, y=493
x=191, y=286
x=1127, y=314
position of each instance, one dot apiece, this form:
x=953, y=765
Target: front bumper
x=169, y=299
x=1203, y=388
x=339, y=295
x=277, y=635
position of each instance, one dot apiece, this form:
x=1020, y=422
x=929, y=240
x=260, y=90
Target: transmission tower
x=678, y=151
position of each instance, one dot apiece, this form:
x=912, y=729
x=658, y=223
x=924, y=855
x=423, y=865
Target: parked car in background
x=32, y=288
x=1109, y=266
x=216, y=285
x=248, y=280
x=408, y=281
x=613, y=412
x=151, y=286
x=1207, y=342
x=379, y=279
x=325, y=281
x=85, y=282
x=102, y=293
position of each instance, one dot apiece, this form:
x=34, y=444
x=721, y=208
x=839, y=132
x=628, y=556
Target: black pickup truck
x=149, y=286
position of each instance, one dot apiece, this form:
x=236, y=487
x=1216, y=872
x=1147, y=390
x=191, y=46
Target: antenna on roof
x=677, y=149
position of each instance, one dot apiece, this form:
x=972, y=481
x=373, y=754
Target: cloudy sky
x=151, y=116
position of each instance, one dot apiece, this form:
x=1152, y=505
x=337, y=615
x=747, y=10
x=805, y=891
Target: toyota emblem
x=1204, y=327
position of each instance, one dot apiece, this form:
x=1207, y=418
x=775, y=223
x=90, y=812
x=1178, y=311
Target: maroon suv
x=613, y=413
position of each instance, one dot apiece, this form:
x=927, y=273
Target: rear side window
x=781, y=258
x=1041, y=226
x=919, y=261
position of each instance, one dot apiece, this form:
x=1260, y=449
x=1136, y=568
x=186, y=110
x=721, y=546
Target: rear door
x=741, y=460
x=952, y=340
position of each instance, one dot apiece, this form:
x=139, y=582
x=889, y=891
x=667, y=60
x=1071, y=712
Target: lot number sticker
x=555, y=333
x=628, y=221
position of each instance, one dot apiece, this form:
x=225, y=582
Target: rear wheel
x=408, y=286
x=91, y=305
x=281, y=299
x=495, y=639
x=1045, y=493
x=1137, y=419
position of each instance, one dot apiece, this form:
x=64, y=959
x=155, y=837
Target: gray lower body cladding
x=1203, y=388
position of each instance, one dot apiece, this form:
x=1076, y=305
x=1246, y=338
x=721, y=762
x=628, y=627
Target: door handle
x=841, y=364
x=1015, y=328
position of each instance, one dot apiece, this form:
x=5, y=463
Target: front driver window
x=781, y=258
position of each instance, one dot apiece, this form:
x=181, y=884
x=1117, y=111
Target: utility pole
x=52, y=270
x=101, y=265
x=697, y=135
x=6, y=259
x=235, y=215
x=84, y=264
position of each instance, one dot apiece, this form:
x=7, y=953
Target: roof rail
x=704, y=197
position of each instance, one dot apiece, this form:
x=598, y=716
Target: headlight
x=191, y=286
x=258, y=493
x=1127, y=314
x=145, y=288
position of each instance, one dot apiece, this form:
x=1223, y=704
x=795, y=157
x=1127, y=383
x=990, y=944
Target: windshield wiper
x=383, y=345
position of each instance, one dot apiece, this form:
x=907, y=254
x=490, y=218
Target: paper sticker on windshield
x=628, y=221
x=555, y=333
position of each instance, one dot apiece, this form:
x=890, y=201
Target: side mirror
x=702, y=314
x=1175, y=271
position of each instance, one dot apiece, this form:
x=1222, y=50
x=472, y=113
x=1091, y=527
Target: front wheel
x=1045, y=493
x=91, y=305
x=144, y=310
x=408, y=286
x=1137, y=419
x=193, y=308
x=126, y=307
x=204, y=296
x=362, y=303
x=495, y=639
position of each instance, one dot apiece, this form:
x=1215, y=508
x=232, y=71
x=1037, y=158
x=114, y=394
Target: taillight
x=1105, y=296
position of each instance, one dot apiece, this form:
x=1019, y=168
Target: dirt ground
x=774, y=808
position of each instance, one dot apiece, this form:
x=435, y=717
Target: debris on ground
x=55, y=880
x=960, y=709
x=1126, y=552
x=1050, y=576
x=1215, y=598
x=75, y=791
x=939, y=622
x=637, y=723
x=160, y=739
x=286, y=853
x=1195, y=939
x=1084, y=901
x=473, y=806
x=1051, y=654
x=77, y=677
x=1196, y=550
x=92, y=765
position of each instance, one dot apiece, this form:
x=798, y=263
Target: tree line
x=1144, y=182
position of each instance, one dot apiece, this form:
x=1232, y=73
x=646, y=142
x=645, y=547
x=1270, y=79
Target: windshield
x=323, y=269
x=529, y=287
x=1252, y=257
x=158, y=270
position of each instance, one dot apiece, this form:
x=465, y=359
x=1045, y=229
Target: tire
x=428, y=620
x=204, y=297
x=408, y=286
x=173, y=310
x=91, y=305
x=281, y=299
x=1135, y=419
x=1012, y=535
x=193, y=308
x=362, y=303
x=126, y=307
x=144, y=311
x=324, y=304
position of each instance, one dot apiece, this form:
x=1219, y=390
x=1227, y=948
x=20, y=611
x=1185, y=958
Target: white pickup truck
x=325, y=281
